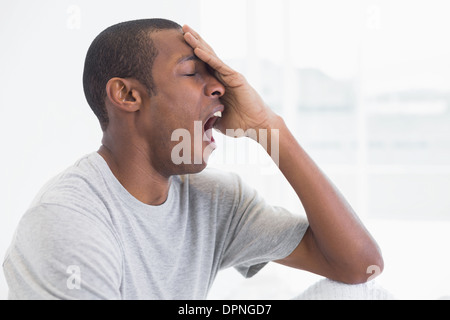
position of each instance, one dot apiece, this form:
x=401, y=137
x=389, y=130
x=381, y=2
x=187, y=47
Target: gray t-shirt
x=86, y=237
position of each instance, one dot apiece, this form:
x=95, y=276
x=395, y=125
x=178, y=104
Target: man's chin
x=190, y=168
x=197, y=163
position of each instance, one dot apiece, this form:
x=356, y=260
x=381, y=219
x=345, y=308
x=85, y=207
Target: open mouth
x=209, y=125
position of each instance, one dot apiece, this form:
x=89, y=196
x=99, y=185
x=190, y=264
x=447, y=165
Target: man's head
x=145, y=84
x=124, y=50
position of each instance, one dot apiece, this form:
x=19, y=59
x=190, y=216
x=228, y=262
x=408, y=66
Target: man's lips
x=209, y=125
x=211, y=120
x=215, y=111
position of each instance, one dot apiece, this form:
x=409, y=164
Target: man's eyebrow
x=188, y=58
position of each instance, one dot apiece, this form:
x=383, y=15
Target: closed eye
x=191, y=74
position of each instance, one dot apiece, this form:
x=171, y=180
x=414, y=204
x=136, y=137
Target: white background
x=364, y=85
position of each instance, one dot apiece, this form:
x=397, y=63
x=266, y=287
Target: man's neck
x=135, y=172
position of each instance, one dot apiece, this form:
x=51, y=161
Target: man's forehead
x=172, y=46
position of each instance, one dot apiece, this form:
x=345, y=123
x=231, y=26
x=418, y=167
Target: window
x=365, y=87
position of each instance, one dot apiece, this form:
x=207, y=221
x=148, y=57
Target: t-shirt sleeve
x=259, y=232
x=59, y=253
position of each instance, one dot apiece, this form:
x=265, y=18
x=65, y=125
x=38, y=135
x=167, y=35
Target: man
x=132, y=222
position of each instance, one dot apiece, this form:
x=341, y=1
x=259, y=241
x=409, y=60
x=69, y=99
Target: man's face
x=187, y=95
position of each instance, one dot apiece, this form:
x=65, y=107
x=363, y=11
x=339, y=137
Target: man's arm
x=336, y=244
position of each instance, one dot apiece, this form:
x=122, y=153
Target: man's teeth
x=218, y=114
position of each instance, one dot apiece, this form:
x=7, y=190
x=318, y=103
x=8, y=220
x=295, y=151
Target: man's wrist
x=268, y=136
x=273, y=122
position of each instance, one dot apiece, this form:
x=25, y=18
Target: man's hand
x=244, y=108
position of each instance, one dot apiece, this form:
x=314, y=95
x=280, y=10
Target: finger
x=187, y=28
x=205, y=53
x=195, y=43
x=214, y=62
x=191, y=40
x=189, y=32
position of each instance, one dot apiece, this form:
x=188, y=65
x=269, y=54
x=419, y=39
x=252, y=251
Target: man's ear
x=125, y=94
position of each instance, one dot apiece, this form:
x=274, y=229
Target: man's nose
x=214, y=88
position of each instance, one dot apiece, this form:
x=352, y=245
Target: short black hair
x=124, y=50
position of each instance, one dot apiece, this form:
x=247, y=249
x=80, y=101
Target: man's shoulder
x=66, y=207
x=76, y=183
x=78, y=191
